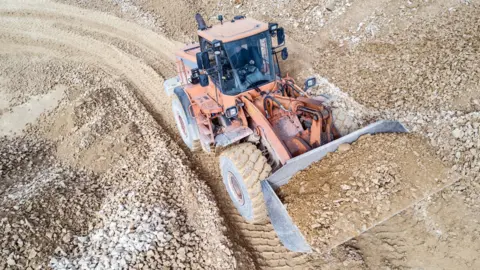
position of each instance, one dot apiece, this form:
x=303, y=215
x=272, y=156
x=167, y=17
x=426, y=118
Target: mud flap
x=232, y=135
x=170, y=84
x=287, y=231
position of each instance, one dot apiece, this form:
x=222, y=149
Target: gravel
x=362, y=185
x=43, y=202
x=96, y=183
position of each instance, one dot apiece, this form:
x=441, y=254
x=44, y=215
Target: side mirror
x=204, y=80
x=284, y=53
x=203, y=62
x=280, y=36
x=310, y=82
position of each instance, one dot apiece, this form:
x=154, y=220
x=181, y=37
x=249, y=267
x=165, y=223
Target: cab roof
x=233, y=30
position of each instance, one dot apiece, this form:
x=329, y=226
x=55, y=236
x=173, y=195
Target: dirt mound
x=134, y=212
x=93, y=181
x=362, y=185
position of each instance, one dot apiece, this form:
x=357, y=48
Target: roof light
x=217, y=46
x=273, y=27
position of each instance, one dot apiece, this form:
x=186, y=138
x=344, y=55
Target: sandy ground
x=99, y=73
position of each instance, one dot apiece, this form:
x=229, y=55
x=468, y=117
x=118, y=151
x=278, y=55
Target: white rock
x=457, y=133
x=344, y=147
x=10, y=261
x=66, y=238
x=32, y=254
x=181, y=254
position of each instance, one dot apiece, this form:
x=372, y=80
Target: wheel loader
x=230, y=94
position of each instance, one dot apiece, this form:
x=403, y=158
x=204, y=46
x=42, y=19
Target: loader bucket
x=286, y=230
x=288, y=233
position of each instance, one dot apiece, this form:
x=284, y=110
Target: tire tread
x=253, y=167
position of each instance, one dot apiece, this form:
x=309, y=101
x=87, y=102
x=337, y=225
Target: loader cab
x=243, y=61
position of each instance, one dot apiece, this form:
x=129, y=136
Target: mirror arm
x=278, y=64
x=220, y=75
x=210, y=70
x=279, y=46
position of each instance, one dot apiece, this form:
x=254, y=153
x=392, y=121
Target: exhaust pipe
x=200, y=21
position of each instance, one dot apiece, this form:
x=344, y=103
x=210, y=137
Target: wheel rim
x=182, y=127
x=235, y=187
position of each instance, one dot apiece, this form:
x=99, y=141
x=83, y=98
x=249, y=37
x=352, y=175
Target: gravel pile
x=360, y=186
x=43, y=202
x=16, y=89
x=302, y=19
x=145, y=224
x=432, y=66
x=97, y=184
x=426, y=77
x=456, y=138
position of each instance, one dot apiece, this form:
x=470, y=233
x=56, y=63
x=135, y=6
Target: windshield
x=251, y=64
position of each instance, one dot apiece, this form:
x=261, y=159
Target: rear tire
x=188, y=132
x=243, y=167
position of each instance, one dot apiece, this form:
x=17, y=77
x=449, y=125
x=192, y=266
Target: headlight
x=231, y=112
x=310, y=82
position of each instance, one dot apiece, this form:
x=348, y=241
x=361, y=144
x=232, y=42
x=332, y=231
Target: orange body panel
x=266, y=130
x=230, y=31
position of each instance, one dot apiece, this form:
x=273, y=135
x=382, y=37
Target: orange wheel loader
x=230, y=93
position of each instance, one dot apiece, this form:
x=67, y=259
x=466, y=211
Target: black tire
x=188, y=131
x=243, y=167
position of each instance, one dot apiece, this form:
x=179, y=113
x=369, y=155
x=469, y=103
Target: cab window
x=205, y=45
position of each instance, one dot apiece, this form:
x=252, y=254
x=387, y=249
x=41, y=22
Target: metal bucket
x=287, y=231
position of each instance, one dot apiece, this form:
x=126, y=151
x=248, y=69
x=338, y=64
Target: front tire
x=243, y=167
x=188, y=131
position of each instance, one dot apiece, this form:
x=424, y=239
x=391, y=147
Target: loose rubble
x=42, y=202
x=433, y=65
x=96, y=183
x=362, y=185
